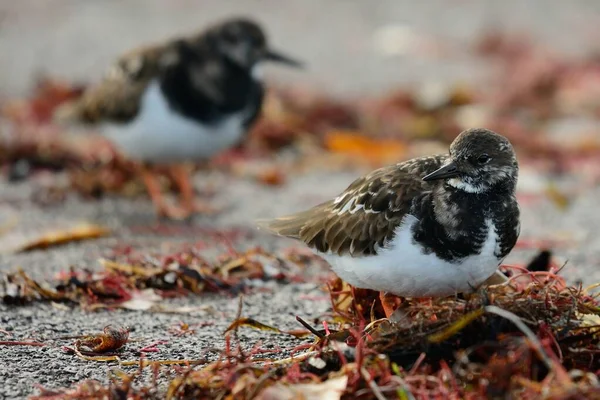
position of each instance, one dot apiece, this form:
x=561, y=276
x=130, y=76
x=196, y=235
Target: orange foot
x=163, y=209
x=202, y=207
x=389, y=302
x=172, y=212
x=185, y=210
x=181, y=177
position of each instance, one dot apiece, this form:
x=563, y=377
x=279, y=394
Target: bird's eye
x=483, y=159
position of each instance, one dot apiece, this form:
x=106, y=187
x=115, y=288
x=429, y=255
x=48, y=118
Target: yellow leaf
x=356, y=144
x=252, y=323
x=560, y=200
x=456, y=326
x=78, y=233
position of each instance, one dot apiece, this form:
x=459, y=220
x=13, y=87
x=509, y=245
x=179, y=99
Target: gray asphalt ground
x=338, y=40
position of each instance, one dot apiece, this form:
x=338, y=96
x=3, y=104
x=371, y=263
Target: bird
x=427, y=227
x=179, y=101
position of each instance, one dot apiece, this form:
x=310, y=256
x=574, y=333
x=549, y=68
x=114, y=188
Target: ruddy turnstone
x=179, y=101
x=431, y=226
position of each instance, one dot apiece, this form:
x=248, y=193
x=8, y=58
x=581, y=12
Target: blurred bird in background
x=181, y=101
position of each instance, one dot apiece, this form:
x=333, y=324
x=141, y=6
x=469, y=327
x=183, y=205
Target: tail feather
x=282, y=226
x=292, y=225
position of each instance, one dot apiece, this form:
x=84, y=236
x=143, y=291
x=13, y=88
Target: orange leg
x=389, y=302
x=162, y=208
x=189, y=204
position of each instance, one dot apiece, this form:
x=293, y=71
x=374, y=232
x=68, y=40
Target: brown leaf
x=78, y=233
x=47, y=96
x=252, y=323
x=272, y=177
x=36, y=287
x=111, y=340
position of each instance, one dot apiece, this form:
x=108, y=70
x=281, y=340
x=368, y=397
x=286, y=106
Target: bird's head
x=244, y=43
x=479, y=160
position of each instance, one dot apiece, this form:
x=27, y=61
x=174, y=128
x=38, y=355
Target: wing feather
x=364, y=216
x=117, y=97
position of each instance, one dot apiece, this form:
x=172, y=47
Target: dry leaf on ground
x=110, y=340
x=380, y=151
x=77, y=233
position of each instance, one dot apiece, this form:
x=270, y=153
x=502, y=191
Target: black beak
x=271, y=55
x=447, y=171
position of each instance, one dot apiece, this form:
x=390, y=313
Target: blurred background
x=384, y=81
x=349, y=46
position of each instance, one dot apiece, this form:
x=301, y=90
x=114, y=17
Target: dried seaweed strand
x=21, y=343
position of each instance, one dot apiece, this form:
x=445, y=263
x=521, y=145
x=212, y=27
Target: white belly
x=402, y=269
x=159, y=135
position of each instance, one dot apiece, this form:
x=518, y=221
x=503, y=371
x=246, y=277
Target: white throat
x=464, y=186
x=257, y=72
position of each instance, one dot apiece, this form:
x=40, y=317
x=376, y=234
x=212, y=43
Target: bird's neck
x=451, y=204
x=205, y=92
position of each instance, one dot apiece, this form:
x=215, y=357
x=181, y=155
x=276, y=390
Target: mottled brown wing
x=364, y=216
x=117, y=97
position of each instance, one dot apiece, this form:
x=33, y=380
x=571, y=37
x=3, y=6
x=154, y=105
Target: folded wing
x=363, y=218
x=117, y=97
